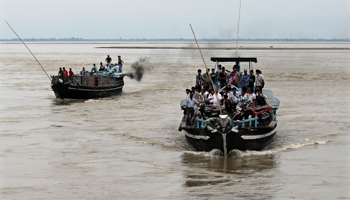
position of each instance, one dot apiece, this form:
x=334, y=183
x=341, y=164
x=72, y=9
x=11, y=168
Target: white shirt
x=214, y=98
x=249, y=97
x=258, y=80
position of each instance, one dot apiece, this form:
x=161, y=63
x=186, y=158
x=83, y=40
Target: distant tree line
x=73, y=39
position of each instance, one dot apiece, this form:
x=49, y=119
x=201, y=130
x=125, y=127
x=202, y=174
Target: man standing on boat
x=191, y=102
x=65, y=75
x=199, y=80
x=120, y=64
x=259, y=80
x=245, y=80
x=108, y=60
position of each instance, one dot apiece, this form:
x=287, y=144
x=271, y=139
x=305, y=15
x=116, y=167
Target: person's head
x=257, y=71
x=223, y=69
x=83, y=68
x=251, y=72
x=101, y=63
x=249, y=90
x=119, y=57
x=208, y=70
x=204, y=89
x=245, y=71
x=213, y=70
x=235, y=67
x=107, y=56
x=60, y=69
x=193, y=89
x=227, y=90
x=70, y=69
x=94, y=65
x=219, y=66
x=212, y=91
x=188, y=91
x=259, y=92
x=199, y=71
x=225, y=96
x=64, y=68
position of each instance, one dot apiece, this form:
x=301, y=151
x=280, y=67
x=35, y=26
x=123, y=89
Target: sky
x=167, y=19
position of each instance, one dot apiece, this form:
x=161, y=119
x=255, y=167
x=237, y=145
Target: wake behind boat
x=248, y=127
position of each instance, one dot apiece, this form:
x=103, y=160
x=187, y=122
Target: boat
x=223, y=133
x=88, y=86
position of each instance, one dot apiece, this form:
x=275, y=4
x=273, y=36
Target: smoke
x=138, y=69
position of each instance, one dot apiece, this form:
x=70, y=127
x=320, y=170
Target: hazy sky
x=170, y=18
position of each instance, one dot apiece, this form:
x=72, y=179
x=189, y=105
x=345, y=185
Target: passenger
x=83, y=72
x=249, y=96
x=60, y=73
x=203, y=94
x=108, y=60
x=195, y=93
x=191, y=102
x=71, y=74
x=259, y=81
x=245, y=80
x=116, y=67
x=65, y=75
x=207, y=82
x=232, y=79
x=251, y=80
x=235, y=96
x=228, y=106
x=222, y=78
x=199, y=80
x=219, y=69
x=214, y=76
x=215, y=97
x=120, y=64
x=102, y=68
x=237, y=76
x=110, y=71
x=94, y=68
x=260, y=99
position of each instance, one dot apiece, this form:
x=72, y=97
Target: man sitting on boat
x=94, y=68
x=102, y=68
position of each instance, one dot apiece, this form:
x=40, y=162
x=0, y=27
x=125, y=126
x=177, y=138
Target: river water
x=128, y=146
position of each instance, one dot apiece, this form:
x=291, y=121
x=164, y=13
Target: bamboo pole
x=206, y=68
x=29, y=51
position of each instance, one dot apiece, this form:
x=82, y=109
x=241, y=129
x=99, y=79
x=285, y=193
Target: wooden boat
x=221, y=132
x=88, y=86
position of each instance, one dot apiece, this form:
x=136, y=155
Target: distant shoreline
x=240, y=48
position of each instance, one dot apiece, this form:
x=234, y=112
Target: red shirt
x=71, y=74
x=65, y=73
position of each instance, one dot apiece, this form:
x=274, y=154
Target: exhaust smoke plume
x=138, y=68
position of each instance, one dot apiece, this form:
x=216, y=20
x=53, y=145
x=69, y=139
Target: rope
x=206, y=68
x=29, y=51
x=239, y=17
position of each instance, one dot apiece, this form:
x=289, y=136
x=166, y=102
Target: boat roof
x=232, y=59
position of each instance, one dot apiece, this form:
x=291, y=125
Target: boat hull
x=63, y=91
x=243, y=139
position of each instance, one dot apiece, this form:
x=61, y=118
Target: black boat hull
x=244, y=139
x=68, y=91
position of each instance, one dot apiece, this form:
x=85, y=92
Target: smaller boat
x=89, y=86
x=251, y=128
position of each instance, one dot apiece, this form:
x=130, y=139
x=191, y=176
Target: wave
x=239, y=153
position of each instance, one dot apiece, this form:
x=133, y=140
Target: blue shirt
x=245, y=80
x=191, y=102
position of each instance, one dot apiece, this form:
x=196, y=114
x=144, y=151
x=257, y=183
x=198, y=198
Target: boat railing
x=85, y=80
x=242, y=123
x=252, y=122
